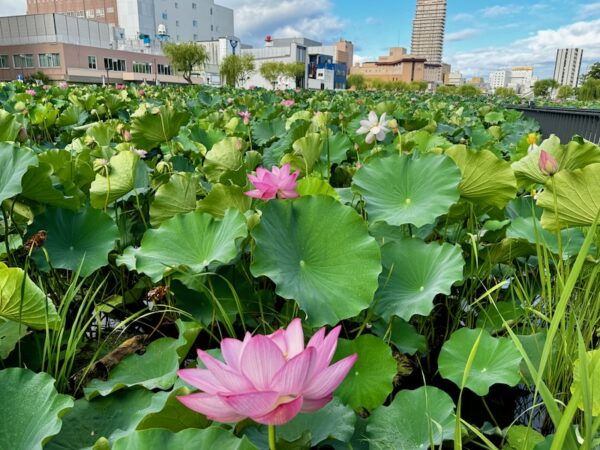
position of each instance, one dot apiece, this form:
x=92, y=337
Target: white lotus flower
x=375, y=128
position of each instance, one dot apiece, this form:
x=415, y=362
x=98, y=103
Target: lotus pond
x=193, y=268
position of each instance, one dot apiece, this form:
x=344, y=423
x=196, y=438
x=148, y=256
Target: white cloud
x=462, y=34
x=254, y=19
x=538, y=50
x=589, y=9
x=500, y=10
x=12, y=7
x=359, y=59
x=462, y=17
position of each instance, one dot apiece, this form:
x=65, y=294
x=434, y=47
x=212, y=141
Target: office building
x=499, y=78
x=396, y=66
x=568, y=66
x=147, y=20
x=521, y=79
x=428, y=36
x=455, y=79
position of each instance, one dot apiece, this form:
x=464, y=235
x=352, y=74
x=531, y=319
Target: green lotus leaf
x=402, y=334
x=319, y=253
x=9, y=127
x=31, y=409
x=263, y=131
x=316, y=186
x=493, y=316
x=576, y=196
x=72, y=116
x=415, y=420
x=70, y=166
x=370, y=380
x=334, y=421
x=106, y=418
x=225, y=162
x=413, y=274
x=174, y=416
x=11, y=332
x=530, y=229
x=486, y=180
x=401, y=190
x=496, y=360
x=14, y=162
x=222, y=197
x=102, y=133
x=38, y=186
x=155, y=128
x=212, y=437
x=336, y=148
x=34, y=309
x=155, y=369
x=593, y=380
x=494, y=117
x=76, y=239
x=424, y=141
x=177, y=196
x=191, y=241
x=308, y=149
x=127, y=175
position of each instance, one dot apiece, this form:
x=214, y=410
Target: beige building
x=428, y=37
x=101, y=10
x=397, y=66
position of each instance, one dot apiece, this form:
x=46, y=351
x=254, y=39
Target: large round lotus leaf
x=222, y=197
x=224, y=162
x=496, y=360
x=593, y=380
x=177, y=196
x=31, y=409
x=402, y=334
x=9, y=127
x=190, y=242
x=155, y=369
x=76, y=239
x=370, y=380
x=577, y=197
x=14, y=162
x=486, y=179
x=175, y=416
x=154, y=128
x=127, y=175
x=106, y=417
x=400, y=189
x=35, y=310
x=316, y=186
x=415, y=420
x=11, y=332
x=319, y=253
x=38, y=185
x=413, y=274
x=212, y=437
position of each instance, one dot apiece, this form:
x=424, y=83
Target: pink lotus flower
x=141, y=92
x=141, y=153
x=63, y=85
x=269, y=379
x=30, y=92
x=276, y=183
x=288, y=103
x=547, y=164
x=120, y=86
x=376, y=128
x=246, y=116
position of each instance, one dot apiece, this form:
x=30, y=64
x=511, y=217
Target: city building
x=149, y=20
x=455, y=79
x=568, y=66
x=74, y=49
x=397, y=66
x=521, y=79
x=428, y=37
x=326, y=65
x=478, y=82
x=499, y=78
x=217, y=50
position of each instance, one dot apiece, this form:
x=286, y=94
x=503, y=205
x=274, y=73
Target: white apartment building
x=568, y=66
x=455, y=79
x=499, y=78
x=521, y=79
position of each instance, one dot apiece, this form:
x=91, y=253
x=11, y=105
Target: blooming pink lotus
x=141, y=92
x=63, y=85
x=30, y=92
x=288, y=103
x=269, y=379
x=547, y=164
x=276, y=183
x=120, y=86
x=246, y=116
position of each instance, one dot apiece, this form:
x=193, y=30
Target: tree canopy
x=543, y=88
x=185, y=57
x=235, y=68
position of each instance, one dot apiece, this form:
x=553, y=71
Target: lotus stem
x=272, y=440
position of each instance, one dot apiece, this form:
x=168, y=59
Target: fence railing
x=565, y=122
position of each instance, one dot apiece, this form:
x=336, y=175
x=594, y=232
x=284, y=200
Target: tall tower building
x=568, y=66
x=428, y=30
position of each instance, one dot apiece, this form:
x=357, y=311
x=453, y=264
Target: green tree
x=356, y=80
x=272, y=70
x=417, y=86
x=505, y=92
x=295, y=70
x=590, y=90
x=565, y=92
x=235, y=69
x=468, y=90
x=543, y=88
x=446, y=90
x=185, y=57
x=594, y=72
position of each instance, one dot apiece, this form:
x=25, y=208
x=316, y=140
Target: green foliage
x=468, y=90
x=185, y=57
x=544, y=88
x=505, y=92
x=235, y=69
x=590, y=90
x=594, y=72
x=565, y=92
x=356, y=80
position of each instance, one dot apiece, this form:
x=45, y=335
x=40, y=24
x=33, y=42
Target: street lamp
x=234, y=43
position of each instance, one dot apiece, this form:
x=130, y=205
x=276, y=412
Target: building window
x=4, y=62
x=89, y=13
x=118, y=65
x=110, y=10
x=194, y=23
x=142, y=67
x=164, y=16
x=100, y=12
x=193, y=6
x=23, y=61
x=92, y=62
x=176, y=5
x=211, y=11
x=212, y=28
x=80, y=14
x=164, y=69
x=49, y=60
x=177, y=23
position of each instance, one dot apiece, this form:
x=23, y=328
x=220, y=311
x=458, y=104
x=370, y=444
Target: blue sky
x=481, y=35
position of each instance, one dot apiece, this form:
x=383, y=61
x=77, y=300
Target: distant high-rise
x=428, y=30
x=568, y=66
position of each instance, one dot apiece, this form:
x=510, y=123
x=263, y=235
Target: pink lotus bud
x=141, y=92
x=548, y=165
